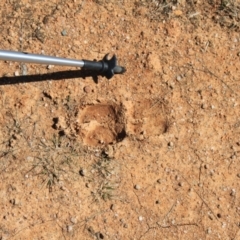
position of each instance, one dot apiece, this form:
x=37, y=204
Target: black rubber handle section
x=107, y=67
x=100, y=66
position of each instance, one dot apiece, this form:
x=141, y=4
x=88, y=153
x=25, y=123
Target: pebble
x=69, y=228
x=14, y=201
x=99, y=235
x=73, y=220
x=209, y=231
x=113, y=207
x=64, y=32
x=16, y=73
x=50, y=66
x=137, y=187
x=24, y=70
x=179, y=78
x=140, y=218
x=83, y=172
x=204, y=106
x=87, y=89
x=233, y=192
x=180, y=184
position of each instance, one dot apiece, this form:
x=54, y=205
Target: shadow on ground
x=49, y=76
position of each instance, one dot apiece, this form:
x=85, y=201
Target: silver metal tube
x=39, y=59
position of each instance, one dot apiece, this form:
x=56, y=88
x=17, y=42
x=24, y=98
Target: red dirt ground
x=150, y=154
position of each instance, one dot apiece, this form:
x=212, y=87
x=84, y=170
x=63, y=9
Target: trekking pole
x=106, y=67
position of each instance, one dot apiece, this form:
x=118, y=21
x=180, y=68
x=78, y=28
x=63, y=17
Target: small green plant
x=104, y=176
x=54, y=158
x=48, y=171
x=104, y=166
x=105, y=191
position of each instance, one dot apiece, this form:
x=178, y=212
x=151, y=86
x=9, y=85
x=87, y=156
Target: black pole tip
x=112, y=67
x=119, y=70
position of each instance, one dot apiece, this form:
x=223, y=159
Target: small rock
x=159, y=181
x=14, y=201
x=125, y=225
x=64, y=32
x=24, y=70
x=64, y=188
x=238, y=175
x=224, y=225
x=180, y=184
x=87, y=89
x=99, y=235
x=140, y=218
x=233, y=192
x=60, y=123
x=83, y=172
x=113, y=207
x=110, y=151
x=50, y=66
x=179, y=78
x=209, y=231
x=69, y=228
x=137, y=187
x=141, y=137
x=16, y=73
x=73, y=220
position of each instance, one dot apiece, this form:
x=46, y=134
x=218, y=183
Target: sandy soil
x=150, y=154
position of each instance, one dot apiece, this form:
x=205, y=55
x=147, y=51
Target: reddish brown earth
x=150, y=154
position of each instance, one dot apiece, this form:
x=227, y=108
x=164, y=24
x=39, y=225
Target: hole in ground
x=101, y=124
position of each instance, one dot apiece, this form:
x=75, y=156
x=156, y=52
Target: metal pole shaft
x=39, y=59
